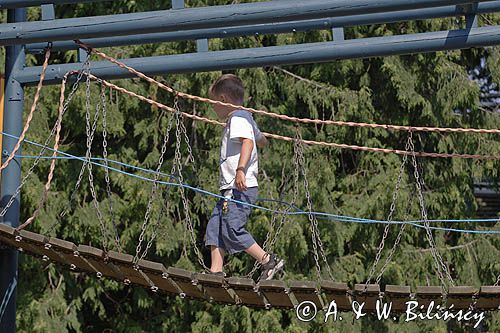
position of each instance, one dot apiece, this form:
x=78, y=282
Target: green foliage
x=421, y=89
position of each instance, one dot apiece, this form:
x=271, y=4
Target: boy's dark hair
x=230, y=85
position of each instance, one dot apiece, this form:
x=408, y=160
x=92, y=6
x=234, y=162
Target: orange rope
x=54, y=155
x=289, y=139
x=285, y=117
x=32, y=111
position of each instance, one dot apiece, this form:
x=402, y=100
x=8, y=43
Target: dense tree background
x=422, y=89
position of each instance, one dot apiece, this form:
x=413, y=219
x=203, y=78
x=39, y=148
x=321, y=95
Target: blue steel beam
x=11, y=175
x=10, y=4
x=273, y=28
x=203, y=17
x=280, y=55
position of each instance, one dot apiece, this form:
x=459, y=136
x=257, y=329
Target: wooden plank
x=125, y=262
x=216, y=288
x=369, y=297
x=276, y=293
x=8, y=236
x=95, y=257
x=184, y=279
x=247, y=293
x=306, y=291
x=39, y=245
x=397, y=296
x=157, y=273
x=70, y=252
x=460, y=297
x=426, y=295
x=489, y=298
x=338, y=292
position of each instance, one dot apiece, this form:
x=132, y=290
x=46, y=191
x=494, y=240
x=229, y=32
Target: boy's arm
x=246, y=152
x=261, y=141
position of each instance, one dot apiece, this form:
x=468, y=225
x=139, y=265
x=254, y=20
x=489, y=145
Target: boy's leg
x=217, y=256
x=214, y=240
x=258, y=253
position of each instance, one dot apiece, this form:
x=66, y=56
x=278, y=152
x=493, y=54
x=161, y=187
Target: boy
x=238, y=180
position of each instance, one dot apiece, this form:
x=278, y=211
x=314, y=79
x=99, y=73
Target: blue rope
x=324, y=216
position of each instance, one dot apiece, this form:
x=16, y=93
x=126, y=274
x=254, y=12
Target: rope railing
x=286, y=117
x=290, y=139
x=54, y=154
x=31, y=113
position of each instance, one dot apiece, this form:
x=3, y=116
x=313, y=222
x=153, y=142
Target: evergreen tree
x=431, y=89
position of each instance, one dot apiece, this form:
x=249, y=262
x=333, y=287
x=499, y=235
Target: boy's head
x=228, y=89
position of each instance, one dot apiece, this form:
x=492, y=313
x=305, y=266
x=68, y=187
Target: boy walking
x=226, y=231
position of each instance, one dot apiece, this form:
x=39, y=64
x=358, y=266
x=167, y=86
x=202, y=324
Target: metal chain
x=154, y=189
x=44, y=147
x=396, y=242
x=438, y=260
x=155, y=228
x=106, y=164
x=186, y=139
x=164, y=207
x=271, y=237
x=498, y=281
x=178, y=163
x=392, y=209
x=84, y=165
x=284, y=214
x=90, y=138
x=316, y=238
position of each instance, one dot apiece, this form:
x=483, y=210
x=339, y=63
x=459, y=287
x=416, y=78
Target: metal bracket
x=82, y=54
x=177, y=4
x=202, y=45
x=48, y=12
x=470, y=11
x=338, y=34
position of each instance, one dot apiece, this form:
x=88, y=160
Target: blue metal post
x=11, y=176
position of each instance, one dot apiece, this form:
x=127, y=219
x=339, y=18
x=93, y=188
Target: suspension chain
x=396, y=243
x=271, y=239
x=104, y=103
x=87, y=158
x=44, y=147
x=392, y=209
x=90, y=138
x=498, y=281
x=164, y=207
x=154, y=189
x=178, y=164
x=438, y=260
x=315, y=234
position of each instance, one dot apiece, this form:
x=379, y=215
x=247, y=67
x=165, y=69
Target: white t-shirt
x=239, y=125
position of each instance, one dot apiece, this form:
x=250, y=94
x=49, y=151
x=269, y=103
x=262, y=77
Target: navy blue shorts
x=227, y=230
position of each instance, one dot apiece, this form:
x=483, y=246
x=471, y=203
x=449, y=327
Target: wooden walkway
x=233, y=290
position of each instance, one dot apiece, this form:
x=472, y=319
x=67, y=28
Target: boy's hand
x=241, y=180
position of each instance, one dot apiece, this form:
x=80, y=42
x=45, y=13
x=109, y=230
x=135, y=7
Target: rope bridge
x=239, y=291
x=136, y=270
